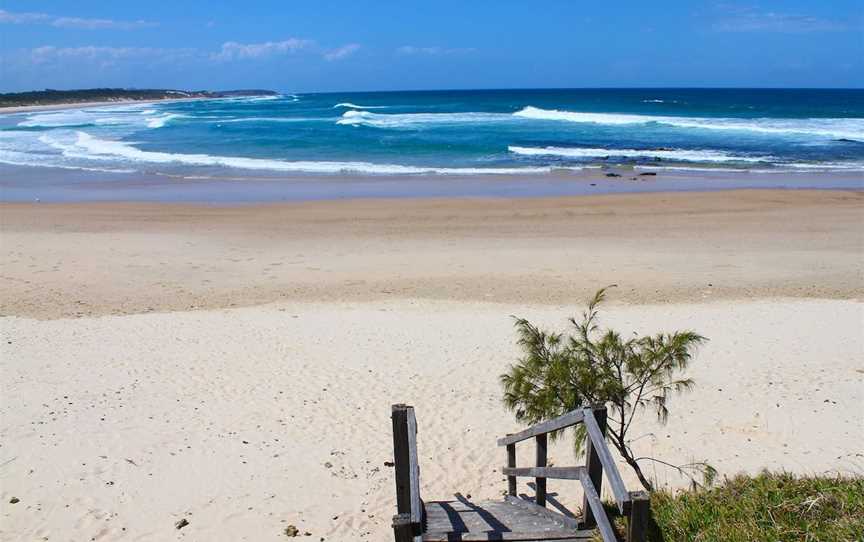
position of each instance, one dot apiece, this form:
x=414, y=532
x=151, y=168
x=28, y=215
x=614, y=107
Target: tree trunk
x=645, y=483
x=628, y=457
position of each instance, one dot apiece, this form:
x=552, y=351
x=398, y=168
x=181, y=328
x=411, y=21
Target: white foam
x=827, y=127
x=269, y=119
x=73, y=117
x=264, y=98
x=15, y=158
x=87, y=146
x=687, y=155
x=162, y=120
x=349, y=105
x=409, y=120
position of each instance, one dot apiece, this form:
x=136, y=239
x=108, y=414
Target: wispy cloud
x=739, y=18
x=342, y=52
x=413, y=50
x=22, y=18
x=232, y=50
x=103, y=56
x=9, y=17
x=96, y=24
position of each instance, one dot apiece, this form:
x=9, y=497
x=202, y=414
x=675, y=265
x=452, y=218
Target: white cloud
x=232, y=50
x=71, y=22
x=104, y=56
x=96, y=24
x=412, y=50
x=737, y=18
x=21, y=18
x=342, y=52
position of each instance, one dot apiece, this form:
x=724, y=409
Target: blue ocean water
x=451, y=132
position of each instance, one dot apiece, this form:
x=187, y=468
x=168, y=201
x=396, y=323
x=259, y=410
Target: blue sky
x=390, y=45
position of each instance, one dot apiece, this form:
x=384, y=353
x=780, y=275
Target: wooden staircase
x=515, y=518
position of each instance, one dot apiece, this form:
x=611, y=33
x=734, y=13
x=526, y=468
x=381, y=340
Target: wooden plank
x=513, y=519
x=593, y=464
x=640, y=511
x=511, y=463
x=600, y=516
x=405, y=464
x=529, y=506
x=401, y=459
x=541, y=457
x=566, y=420
x=416, y=504
x=598, y=442
x=560, y=473
x=509, y=536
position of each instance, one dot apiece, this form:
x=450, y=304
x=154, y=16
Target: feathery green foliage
x=559, y=373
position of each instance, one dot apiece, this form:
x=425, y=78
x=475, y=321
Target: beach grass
x=766, y=507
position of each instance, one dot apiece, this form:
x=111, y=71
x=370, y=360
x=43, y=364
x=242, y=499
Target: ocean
x=451, y=132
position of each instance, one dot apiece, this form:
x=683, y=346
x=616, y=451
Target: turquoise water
x=451, y=132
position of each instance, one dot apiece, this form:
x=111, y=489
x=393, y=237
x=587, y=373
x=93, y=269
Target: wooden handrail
x=598, y=460
x=596, y=505
x=622, y=497
x=566, y=420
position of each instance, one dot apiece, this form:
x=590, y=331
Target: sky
x=354, y=45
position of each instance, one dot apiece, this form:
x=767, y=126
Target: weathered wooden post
x=511, y=462
x=594, y=467
x=401, y=459
x=408, y=523
x=640, y=511
x=541, y=462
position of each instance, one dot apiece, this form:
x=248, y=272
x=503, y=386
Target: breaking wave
x=87, y=146
x=685, y=155
x=355, y=106
x=828, y=127
x=410, y=120
x=694, y=156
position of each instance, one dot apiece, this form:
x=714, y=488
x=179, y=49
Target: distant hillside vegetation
x=51, y=97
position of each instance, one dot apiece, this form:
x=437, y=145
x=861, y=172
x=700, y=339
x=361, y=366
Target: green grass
x=769, y=507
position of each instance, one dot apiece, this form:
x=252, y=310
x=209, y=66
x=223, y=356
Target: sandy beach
x=234, y=365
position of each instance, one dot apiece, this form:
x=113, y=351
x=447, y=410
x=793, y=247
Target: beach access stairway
x=517, y=518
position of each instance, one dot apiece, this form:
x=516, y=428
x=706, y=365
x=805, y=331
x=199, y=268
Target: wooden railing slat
x=622, y=497
x=594, y=467
x=511, y=462
x=541, y=458
x=416, y=503
x=596, y=505
x=566, y=420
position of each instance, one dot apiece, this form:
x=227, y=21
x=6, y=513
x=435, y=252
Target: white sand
x=116, y=427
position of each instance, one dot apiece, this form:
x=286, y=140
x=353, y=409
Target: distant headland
x=55, y=97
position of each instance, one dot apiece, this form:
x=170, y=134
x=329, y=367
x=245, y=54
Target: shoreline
x=122, y=258
x=84, y=105
x=23, y=184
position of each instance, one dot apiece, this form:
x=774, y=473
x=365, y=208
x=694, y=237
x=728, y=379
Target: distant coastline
x=97, y=96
